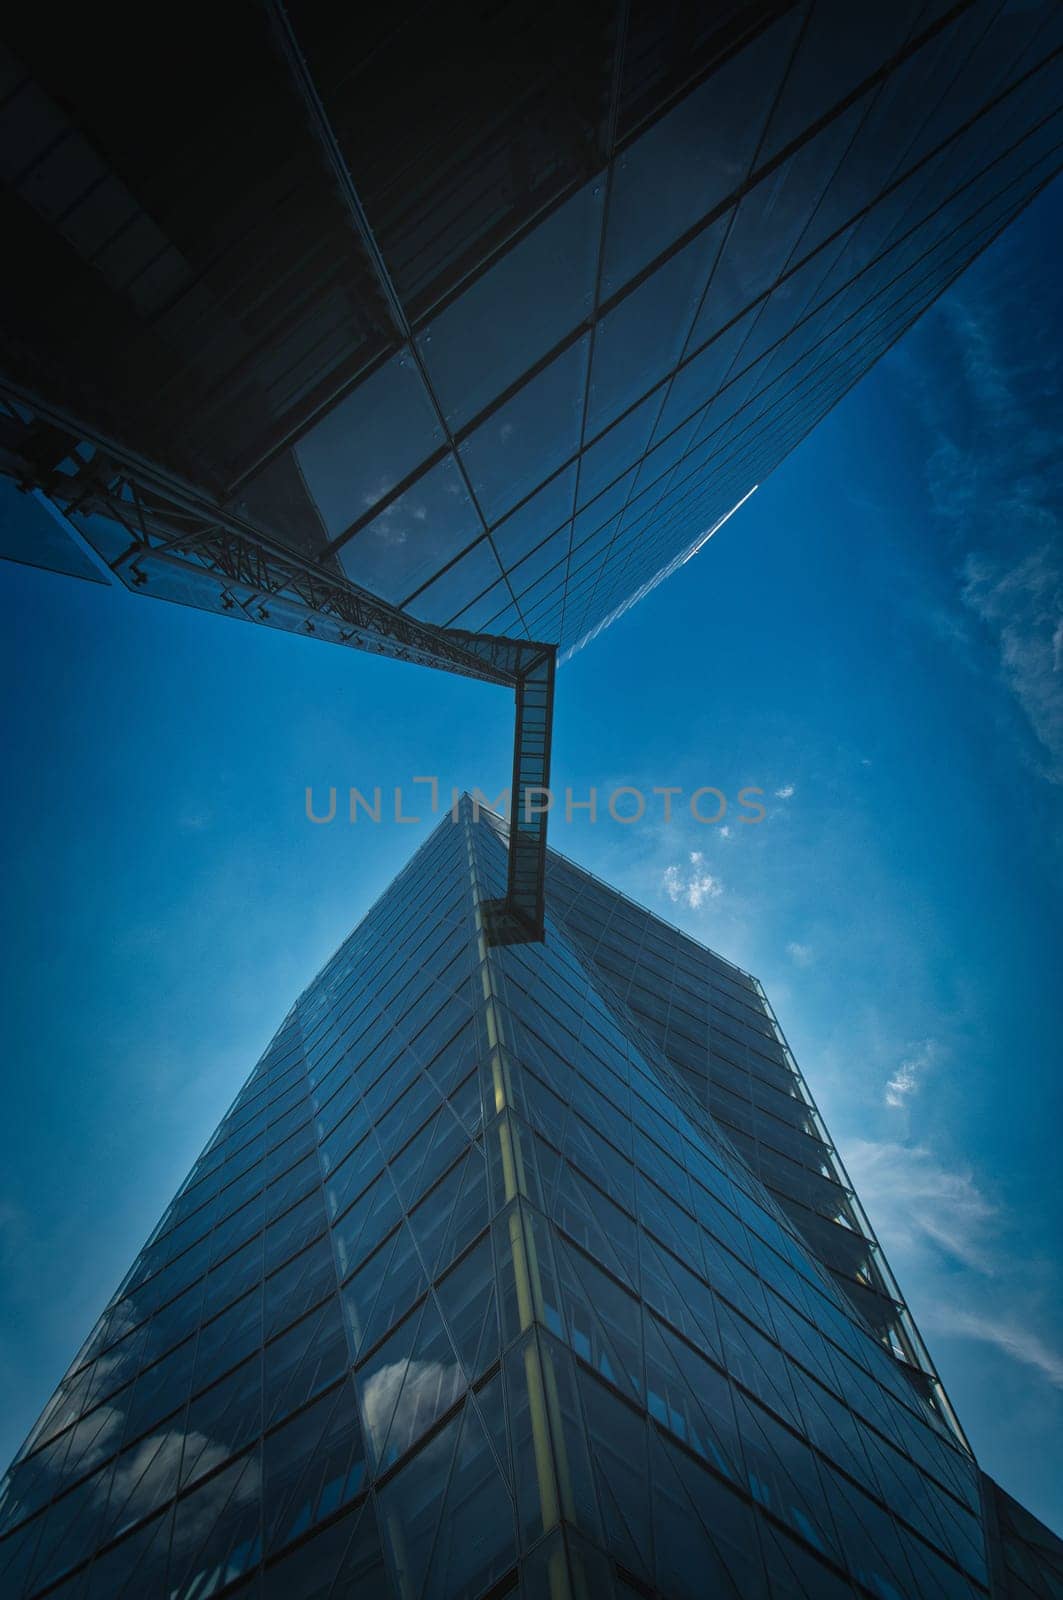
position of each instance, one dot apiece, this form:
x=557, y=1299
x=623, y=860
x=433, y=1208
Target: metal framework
x=179, y=545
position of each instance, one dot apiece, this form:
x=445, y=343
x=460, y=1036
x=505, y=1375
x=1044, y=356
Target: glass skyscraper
x=490, y=313
x=513, y=1269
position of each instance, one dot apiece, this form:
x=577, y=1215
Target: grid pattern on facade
x=467, y=1292
x=716, y=1027
x=506, y=375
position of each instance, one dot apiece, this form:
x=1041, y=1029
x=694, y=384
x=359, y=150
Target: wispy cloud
x=690, y=884
x=787, y=792
x=1021, y=603
x=916, y=1201
x=1022, y=1343
x=951, y=1246
x=994, y=482
x=802, y=955
x=910, y=1073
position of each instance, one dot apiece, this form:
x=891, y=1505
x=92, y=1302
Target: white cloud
x=1021, y=1343
x=144, y=1475
x=702, y=887
x=908, y=1076
x=240, y=1484
x=725, y=831
x=786, y=792
x=691, y=888
x=901, y=1085
x=914, y=1202
x=802, y=955
x=402, y=1398
x=923, y=1210
x=371, y=496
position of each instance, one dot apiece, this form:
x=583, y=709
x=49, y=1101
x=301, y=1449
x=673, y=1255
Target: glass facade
x=478, y=1289
x=716, y=1028
x=492, y=311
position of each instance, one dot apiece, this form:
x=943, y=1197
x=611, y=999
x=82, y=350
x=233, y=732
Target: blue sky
x=875, y=640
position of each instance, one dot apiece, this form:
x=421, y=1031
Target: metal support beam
x=521, y=915
x=171, y=541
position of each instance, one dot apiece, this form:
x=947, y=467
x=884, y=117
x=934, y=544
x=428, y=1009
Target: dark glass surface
x=507, y=365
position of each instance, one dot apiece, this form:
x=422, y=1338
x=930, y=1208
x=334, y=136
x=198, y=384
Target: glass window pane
x=415, y=535
x=312, y=1465
x=409, y=1382
x=511, y=453
x=368, y=443
x=476, y=348
x=693, y=157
